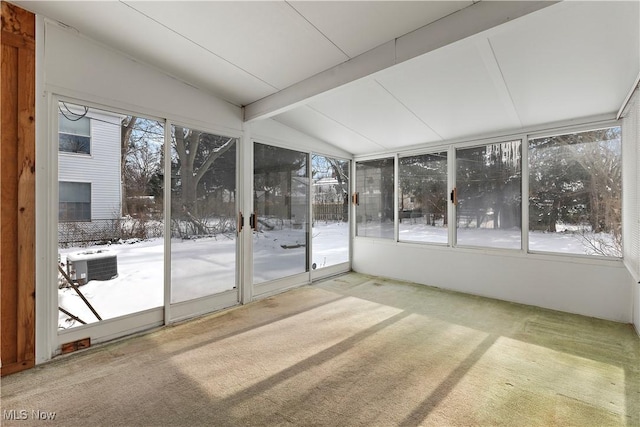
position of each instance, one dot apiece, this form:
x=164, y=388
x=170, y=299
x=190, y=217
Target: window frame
x=89, y=136
x=437, y=150
x=66, y=219
x=356, y=185
x=568, y=130
x=322, y=271
x=453, y=171
x=524, y=134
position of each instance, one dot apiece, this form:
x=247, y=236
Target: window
x=74, y=128
x=488, y=183
x=422, y=199
x=374, y=188
x=75, y=202
x=575, y=188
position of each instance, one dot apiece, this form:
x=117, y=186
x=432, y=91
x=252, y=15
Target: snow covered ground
x=207, y=266
x=199, y=267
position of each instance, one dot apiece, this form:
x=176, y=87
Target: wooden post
x=17, y=189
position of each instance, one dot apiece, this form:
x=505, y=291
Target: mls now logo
x=23, y=414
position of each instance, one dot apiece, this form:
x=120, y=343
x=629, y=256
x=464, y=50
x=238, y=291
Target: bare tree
x=197, y=151
x=126, y=129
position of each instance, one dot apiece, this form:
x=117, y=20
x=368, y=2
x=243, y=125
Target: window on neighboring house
x=575, y=193
x=422, y=198
x=488, y=182
x=75, y=202
x=74, y=132
x=375, y=188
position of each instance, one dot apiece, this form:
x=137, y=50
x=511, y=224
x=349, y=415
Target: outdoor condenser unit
x=92, y=265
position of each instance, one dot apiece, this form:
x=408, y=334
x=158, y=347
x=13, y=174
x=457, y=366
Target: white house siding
x=101, y=168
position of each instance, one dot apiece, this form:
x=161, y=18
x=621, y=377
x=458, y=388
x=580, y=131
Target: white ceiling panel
x=311, y=122
x=453, y=91
x=268, y=39
x=573, y=60
x=116, y=25
x=358, y=26
x=367, y=108
x=569, y=60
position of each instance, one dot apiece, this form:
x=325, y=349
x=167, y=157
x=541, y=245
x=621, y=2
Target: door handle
x=454, y=196
x=253, y=221
x=355, y=199
x=240, y=222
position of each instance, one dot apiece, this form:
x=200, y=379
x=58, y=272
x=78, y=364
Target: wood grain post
x=17, y=189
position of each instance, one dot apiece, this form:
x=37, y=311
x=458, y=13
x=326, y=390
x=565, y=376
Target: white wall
x=81, y=68
x=272, y=132
x=631, y=197
x=596, y=288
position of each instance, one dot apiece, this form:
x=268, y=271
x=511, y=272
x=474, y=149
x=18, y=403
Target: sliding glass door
x=148, y=222
x=110, y=216
x=330, y=225
x=203, y=214
x=280, y=219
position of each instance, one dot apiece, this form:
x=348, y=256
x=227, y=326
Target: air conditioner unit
x=92, y=265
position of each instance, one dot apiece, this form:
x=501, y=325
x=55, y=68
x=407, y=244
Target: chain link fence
x=107, y=230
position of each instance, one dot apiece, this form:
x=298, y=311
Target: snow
x=330, y=243
x=199, y=267
x=202, y=267
x=207, y=266
x=139, y=285
x=568, y=240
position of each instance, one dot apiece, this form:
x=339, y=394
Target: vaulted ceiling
x=371, y=76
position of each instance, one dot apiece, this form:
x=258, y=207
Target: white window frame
x=564, y=131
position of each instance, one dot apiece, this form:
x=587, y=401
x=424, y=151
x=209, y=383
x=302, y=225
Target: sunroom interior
x=490, y=148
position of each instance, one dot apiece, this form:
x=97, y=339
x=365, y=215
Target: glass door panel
x=330, y=232
x=110, y=215
x=281, y=210
x=374, y=192
x=203, y=213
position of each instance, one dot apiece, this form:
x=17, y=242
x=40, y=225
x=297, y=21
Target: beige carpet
x=352, y=351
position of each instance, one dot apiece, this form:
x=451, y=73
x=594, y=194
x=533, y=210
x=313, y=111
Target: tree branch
x=212, y=158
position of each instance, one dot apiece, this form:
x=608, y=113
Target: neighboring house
x=327, y=190
x=88, y=165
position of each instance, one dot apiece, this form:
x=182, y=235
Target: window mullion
x=452, y=211
x=525, y=193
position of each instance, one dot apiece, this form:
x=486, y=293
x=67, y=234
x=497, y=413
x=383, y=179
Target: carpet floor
x=351, y=351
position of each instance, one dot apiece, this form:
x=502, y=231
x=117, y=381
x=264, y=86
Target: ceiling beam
x=636, y=85
x=464, y=23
